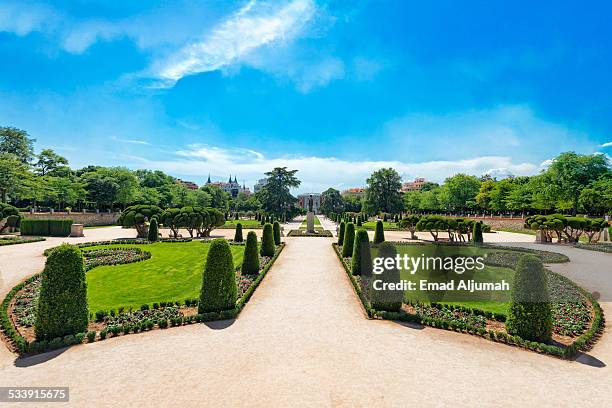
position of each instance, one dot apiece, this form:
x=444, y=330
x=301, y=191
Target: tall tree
x=49, y=161
x=276, y=197
x=331, y=201
x=459, y=192
x=13, y=173
x=16, y=141
x=383, y=192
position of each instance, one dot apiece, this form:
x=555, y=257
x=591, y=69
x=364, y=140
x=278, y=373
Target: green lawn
x=316, y=222
x=173, y=273
x=386, y=225
x=497, y=302
x=245, y=223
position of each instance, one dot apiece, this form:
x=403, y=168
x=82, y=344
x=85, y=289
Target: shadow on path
x=410, y=325
x=38, y=358
x=220, y=324
x=589, y=360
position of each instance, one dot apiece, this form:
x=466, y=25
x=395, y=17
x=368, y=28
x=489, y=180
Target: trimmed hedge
x=530, y=313
x=238, y=233
x=385, y=299
x=45, y=228
x=361, y=262
x=379, y=233
x=62, y=305
x=250, y=262
x=341, y=233
x=267, y=241
x=219, y=288
x=349, y=240
x=477, y=233
x=277, y=233
x=153, y=234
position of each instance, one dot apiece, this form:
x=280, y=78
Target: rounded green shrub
x=379, y=233
x=219, y=289
x=361, y=263
x=153, y=234
x=277, y=233
x=530, y=313
x=62, y=305
x=477, y=233
x=238, y=233
x=341, y=233
x=349, y=240
x=385, y=298
x=250, y=263
x=267, y=241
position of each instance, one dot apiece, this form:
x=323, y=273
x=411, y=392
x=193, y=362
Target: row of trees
x=572, y=183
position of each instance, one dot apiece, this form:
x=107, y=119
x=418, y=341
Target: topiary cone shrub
x=153, y=234
x=341, y=233
x=530, y=313
x=238, y=233
x=277, y=234
x=219, y=289
x=349, y=240
x=385, y=298
x=267, y=241
x=250, y=263
x=361, y=263
x=359, y=224
x=477, y=233
x=62, y=305
x=379, y=233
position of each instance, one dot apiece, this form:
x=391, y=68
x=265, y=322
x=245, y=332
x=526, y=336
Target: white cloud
x=23, y=18
x=318, y=173
x=253, y=26
x=607, y=144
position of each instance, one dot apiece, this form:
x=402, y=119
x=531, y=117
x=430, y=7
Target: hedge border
x=20, y=344
x=604, y=248
x=582, y=343
x=20, y=240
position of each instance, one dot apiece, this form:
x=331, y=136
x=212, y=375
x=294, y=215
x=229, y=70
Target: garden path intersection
x=303, y=340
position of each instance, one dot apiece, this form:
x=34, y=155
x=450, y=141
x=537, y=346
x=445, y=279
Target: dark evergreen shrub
x=91, y=336
x=45, y=228
x=238, y=233
x=477, y=233
x=530, y=314
x=386, y=299
x=379, y=234
x=250, y=262
x=277, y=233
x=62, y=305
x=341, y=233
x=267, y=241
x=349, y=240
x=359, y=223
x=361, y=263
x=219, y=289
x=153, y=234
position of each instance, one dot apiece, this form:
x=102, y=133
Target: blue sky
x=335, y=89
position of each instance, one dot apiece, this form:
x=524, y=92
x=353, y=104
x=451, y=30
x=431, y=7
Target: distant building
x=316, y=201
x=415, y=185
x=261, y=183
x=355, y=192
x=188, y=184
x=231, y=187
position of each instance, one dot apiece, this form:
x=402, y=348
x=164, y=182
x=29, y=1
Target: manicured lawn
x=497, y=302
x=316, y=222
x=245, y=223
x=372, y=225
x=173, y=273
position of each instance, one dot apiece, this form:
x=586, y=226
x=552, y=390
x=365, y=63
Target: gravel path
x=303, y=340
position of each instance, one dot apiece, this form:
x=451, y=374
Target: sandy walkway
x=303, y=341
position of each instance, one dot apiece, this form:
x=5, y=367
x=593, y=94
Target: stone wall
x=87, y=219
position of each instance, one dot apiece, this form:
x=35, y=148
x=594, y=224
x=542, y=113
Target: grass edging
x=17, y=241
x=582, y=343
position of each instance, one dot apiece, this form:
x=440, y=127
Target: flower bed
x=19, y=240
x=578, y=318
x=114, y=256
x=597, y=246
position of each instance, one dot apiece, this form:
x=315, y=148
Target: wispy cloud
x=253, y=26
x=318, y=173
x=131, y=141
x=607, y=144
x=24, y=18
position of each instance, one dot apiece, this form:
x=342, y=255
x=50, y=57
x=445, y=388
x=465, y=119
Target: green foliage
x=238, y=233
x=349, y=240
x=361, y=262
x=331, y=202
x=384, y=298
x=45, y=228
x=383, y=192
x=219, y=289
x=137, y=216
x=341, y=233
x=477, y=234
x=153, y=234
x=16, y=142
x=379, y=233
x=250, y=262
x=267, y=241
x=277, y=233
x=275, y=196
x=62, y=306
x=530, y=314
